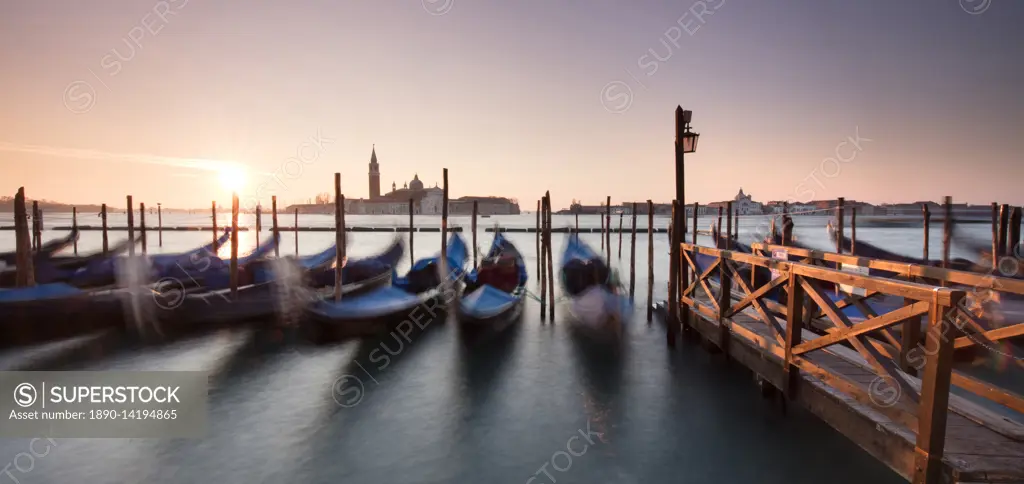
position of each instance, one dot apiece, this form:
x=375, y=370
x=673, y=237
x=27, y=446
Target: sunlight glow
x=232, y=178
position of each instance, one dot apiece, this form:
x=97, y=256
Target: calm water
x=449, y=409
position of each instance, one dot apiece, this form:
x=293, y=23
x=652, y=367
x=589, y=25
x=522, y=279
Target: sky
x=182, y=101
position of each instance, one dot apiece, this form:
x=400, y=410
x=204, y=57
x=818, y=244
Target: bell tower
x=374, y=175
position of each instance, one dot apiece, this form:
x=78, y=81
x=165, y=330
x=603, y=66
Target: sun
x=232, y=178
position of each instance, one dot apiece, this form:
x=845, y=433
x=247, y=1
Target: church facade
x=425, y=200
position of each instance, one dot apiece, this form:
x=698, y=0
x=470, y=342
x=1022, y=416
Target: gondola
x=47, y=249
x=49, y=268
x=370, y=312
x=494, y=293
x=54, y=311
x=598, y=304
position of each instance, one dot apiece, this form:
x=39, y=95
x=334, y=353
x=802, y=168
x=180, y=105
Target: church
x=425, y=201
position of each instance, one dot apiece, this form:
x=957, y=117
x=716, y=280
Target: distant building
x=742, y=203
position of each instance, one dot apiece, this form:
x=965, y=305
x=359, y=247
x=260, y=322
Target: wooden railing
x=981, y=323
x=794, y=296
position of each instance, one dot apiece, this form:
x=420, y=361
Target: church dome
x=416, y=184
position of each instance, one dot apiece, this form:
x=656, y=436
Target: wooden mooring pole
x=1004, y=223
x=542, y=262
x=540, y=256
x=296, y=232
x=620, y=235
x=551, y=265
x=74, y=226
x=728, y=226
x=213, y=215
x=473, y=228
x=947, y=230
x=25, y=275
x=601, y=216
x=142, y=225
x=1014, y=233
x=608, y=233
x=673, y=277
x=259, y=215
x=840, y=221
x=131, y=227
x=577, y=221
x=36, y=227
x=103, y=220
x=632, y=258
x=412, y=228
x=234, y=246
x=650, y=261
x=445, y=270
x=160, y=225
x=995, y=235
x=926, y=214
x=274, y=227
x=853, y=230
x=718, y=230
x=339, y=236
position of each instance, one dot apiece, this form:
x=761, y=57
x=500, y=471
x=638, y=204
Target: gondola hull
x=56, y=311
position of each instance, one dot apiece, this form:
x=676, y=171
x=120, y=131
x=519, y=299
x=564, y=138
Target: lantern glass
x=690, y=142
x=687, y=116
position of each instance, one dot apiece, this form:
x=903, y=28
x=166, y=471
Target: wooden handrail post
x=934, y=404
x=650, y=261
x=794, y=331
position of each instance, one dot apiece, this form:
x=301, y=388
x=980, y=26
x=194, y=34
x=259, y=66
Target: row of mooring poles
x=1006, y=232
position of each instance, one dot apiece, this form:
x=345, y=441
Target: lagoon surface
x=532, y=402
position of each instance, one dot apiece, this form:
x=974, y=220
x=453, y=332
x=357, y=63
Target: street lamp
x=689, y=138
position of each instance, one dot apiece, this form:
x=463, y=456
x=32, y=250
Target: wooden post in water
x=412, y=228
x=274, y=226
x=927, y=229
x=608, y=233
x=160, y=225
x=601, y=216
x=840, y=229
x=473, y=224
x=551, y=265
x=787, y=225
x=1004, y=223
x=445, y=271
x=540, y=256
x=131, y=227
x=542, y=262
x=853, y=230
x=103, y=220
x=213, y=214
x=947, y=230
x=736, y=228
x=25, y=275
x=1014, y=233
x=673, y=276
x=995, y=235
x=650, y=260
x=74, y=225
x=718, y=231
x=142, y=225
x=296, y=232
x=339, y=236
x=36, y=227
x=693, y=237
x=728, y=226
x=577, y=221
x=259, y=215
x=620, y=235
x=234, y=246
x=632, y=257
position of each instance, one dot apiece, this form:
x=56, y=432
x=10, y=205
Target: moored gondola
x=373, y=311
x=597, y=302
x=494, y=293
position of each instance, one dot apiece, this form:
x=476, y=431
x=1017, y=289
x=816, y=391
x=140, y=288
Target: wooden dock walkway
x=853, y=377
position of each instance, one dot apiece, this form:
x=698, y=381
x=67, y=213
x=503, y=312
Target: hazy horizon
x=180, y=102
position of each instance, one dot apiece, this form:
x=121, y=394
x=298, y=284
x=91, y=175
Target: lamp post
x=686, y=142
